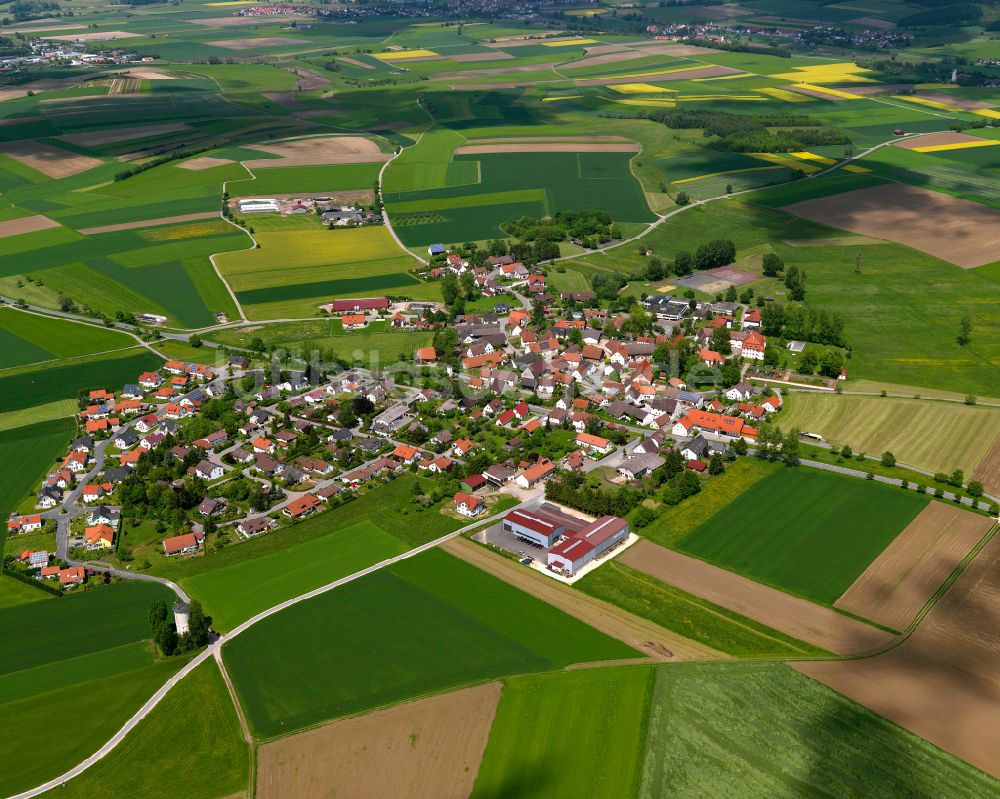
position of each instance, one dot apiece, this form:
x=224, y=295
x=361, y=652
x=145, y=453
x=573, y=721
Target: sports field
x=568, y=718
x=176, y=752
x=295, y=271
x=934, y=436
x=806, y=532
x=425, y=624
x=765, y=731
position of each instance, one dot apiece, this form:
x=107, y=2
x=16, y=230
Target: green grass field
x=803, y=531
x=14, y=592
x=767, y=732
x=569, y=734
x=690, y=616
x=26, y=338
x=76, y=625
x=425, y=624
x=934, y=436
x=174, y=751
x=235, y=593
x=34, y=449
x=308, y=180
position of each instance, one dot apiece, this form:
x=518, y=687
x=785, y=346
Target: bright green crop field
x=174, y=751
x=26, y=338
x=768, y=732
x=34, y=449
x=591, y=722
x=803, y=531
x=14, y=592
x=425, y=624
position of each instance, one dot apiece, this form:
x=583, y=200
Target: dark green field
x=76, y=625
x=807, y=532
x=426, y=624
x=33, y=448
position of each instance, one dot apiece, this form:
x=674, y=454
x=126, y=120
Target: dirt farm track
x=941, y=683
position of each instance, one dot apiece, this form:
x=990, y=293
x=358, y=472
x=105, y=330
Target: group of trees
x=589, y=227
x=752, y=133
x=802, y=323
x=568, y=488
x=164, y=632
x=717, y=252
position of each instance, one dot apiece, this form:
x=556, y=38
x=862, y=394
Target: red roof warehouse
x=359, y=304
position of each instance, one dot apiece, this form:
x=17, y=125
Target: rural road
x=214, y=650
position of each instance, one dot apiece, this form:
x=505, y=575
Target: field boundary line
x=253, y=246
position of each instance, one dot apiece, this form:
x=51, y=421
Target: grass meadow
x=568, y=734
x=14, y=592
x=423, y=625
x=34, y=449
x=690, y=616
x=933, y=436
x=765, y=731
x=803, y=531
x=174, y=751
x=26, y=338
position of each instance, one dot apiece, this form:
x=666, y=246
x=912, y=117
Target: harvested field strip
x=48, y=160
x=98, y=137
x=803, y=620
x=899, y=581
x=988, y=471
x=964, y=232
x=784, y=161
x=934, y=139
x=941, y=683
x=787, y=96
x=534, y=139
x=645, y=636
x=691, y=616
x=958, y=146
x=909, y=98
x=26, y=224
x=761, y=731
x=425, y=749
x=550, y=147
x=727, y=172
x=166, y=220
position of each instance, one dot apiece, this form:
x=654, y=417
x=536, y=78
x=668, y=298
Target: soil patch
x=150, y=73
x=988, y=472
x=894, y=588
x=674, y=49
x=163, y=220
x=550, y=147
x=936, y=140
x=26, y=224
x=948, y=99
x=354, y=62
x=314, y=150
x=786, y=613
x=428, y=749
x=943, y=682
x=263, y=41
x=647, y=637
x=495, y=55
x=97, y=36
x=686, y=74
x=203, y=162
x=957, y=231
x=606, y=57
x=123, y=134
x=47, y=159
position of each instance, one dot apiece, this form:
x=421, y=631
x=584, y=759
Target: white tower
x=181, y=617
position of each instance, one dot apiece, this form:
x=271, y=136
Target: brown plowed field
x=638, y=633
x=26, y=224
x=314, y=150
x=943, y=682
x=937, y=139
x=533, y=139
x=988, y=472
x=47, y=159
x=264, y=41
x=605, y=57
x=894, y=588
x=550, y=147
x=659, y=77
x=786, y=613
x=957, y=231
x=428, y=749
x=101, y=36
x=163, y=220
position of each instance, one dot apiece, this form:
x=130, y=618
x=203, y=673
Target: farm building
x=357, y=304
x=257, y=206
x=576, y=550
x=535, y=474
x=533, y=527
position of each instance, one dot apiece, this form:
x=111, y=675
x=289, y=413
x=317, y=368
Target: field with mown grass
x=176, y=751
x=807, y=532
x=422, y=625
x=26, y=338
x=930, y=435
x=766, y=732
x=592, y=721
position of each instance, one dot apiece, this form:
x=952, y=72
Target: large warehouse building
x=578, y=549
x=543, y=526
